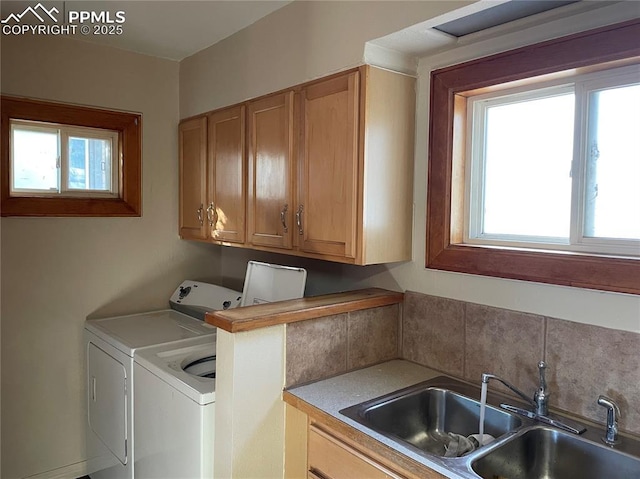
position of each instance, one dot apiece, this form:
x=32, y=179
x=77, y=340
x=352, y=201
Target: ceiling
x=166, y=29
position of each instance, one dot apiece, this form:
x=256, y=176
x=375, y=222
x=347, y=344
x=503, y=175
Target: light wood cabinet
x=226, y=175
x=270, y=179
x=329, y=170
x=212, y=177
x=192, y=144
x=326, y=214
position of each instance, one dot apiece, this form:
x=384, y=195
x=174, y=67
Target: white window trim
x=64, y=132
x=582, y=85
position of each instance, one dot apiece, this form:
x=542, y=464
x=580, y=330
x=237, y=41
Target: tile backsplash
x=465, y=339
x=331, y=345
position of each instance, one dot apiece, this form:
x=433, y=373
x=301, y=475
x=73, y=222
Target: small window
x=56, y=160
x=63, y=160
x=556, y=167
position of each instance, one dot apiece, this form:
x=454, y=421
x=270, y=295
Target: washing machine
x=111, y=345
x=174, y=388
x=174, y=415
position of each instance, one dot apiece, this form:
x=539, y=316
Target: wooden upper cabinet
x=355, y=161
x=270, y=175
x=225, y=210
x=326, y=214
x=192, y=144
x=212, y=176
x=386, y=157
x=327, y=172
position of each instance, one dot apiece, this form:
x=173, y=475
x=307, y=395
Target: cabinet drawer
x=330, y=458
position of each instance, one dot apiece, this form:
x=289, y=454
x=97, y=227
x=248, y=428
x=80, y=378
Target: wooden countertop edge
x=410, y=468
x=283, y=312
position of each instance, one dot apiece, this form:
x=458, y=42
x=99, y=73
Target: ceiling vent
x=503, y=13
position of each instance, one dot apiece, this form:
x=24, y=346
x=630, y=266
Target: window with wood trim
x=498, y=224
x=67, y=160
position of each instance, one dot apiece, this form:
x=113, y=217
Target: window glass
x=527, y=181
x=35, y=155
x=612, y=206
x=90, y=164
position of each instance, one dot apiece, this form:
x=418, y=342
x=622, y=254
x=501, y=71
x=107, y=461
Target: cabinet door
x=328, y=167
x=270, y=171
x=225, y=210
x=192, y=145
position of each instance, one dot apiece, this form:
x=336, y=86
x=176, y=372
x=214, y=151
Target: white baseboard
x=71, y=471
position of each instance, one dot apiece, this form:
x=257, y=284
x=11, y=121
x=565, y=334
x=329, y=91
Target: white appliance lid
x=128, y=333
x=265, y=283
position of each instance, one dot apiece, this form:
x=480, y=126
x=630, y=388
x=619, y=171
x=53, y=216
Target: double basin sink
x=421, y=417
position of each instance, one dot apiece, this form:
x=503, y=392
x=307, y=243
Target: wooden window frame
x=606, y=47
x=129, y=155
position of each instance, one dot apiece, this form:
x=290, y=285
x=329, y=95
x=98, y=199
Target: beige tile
x=373, y=336
x=506, y=343
x=316, y=349
x=433, y=332
x=587, y=361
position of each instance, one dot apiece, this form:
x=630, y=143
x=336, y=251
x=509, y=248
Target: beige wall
x=302, y=41
x=57, y=271
x=305, y=40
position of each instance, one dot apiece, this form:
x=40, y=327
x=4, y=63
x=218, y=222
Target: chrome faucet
x=613, y=414
x=539, y=403
x=540, y=399
x=541, y=396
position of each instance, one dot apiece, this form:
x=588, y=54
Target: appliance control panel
x=205, y=295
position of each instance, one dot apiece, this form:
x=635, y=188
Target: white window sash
x=582, y=85
x=64, y=132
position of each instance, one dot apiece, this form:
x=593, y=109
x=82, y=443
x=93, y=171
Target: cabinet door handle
x=283, y=217
x=299, y=219
x=199, y=213
x=211, y=211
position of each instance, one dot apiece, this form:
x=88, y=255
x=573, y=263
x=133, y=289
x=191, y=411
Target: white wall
x=57, y=271
x=306, y=40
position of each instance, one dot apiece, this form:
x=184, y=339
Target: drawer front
x=330, y=458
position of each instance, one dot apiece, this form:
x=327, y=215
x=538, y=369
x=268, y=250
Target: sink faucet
x=540, y=401
x=541, y=396
x=613, y=414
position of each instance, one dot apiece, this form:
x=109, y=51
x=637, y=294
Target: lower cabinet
x=330, y=458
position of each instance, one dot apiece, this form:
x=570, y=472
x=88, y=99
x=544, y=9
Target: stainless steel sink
x=417, y=419
x=422, y=415
x=542, y=452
